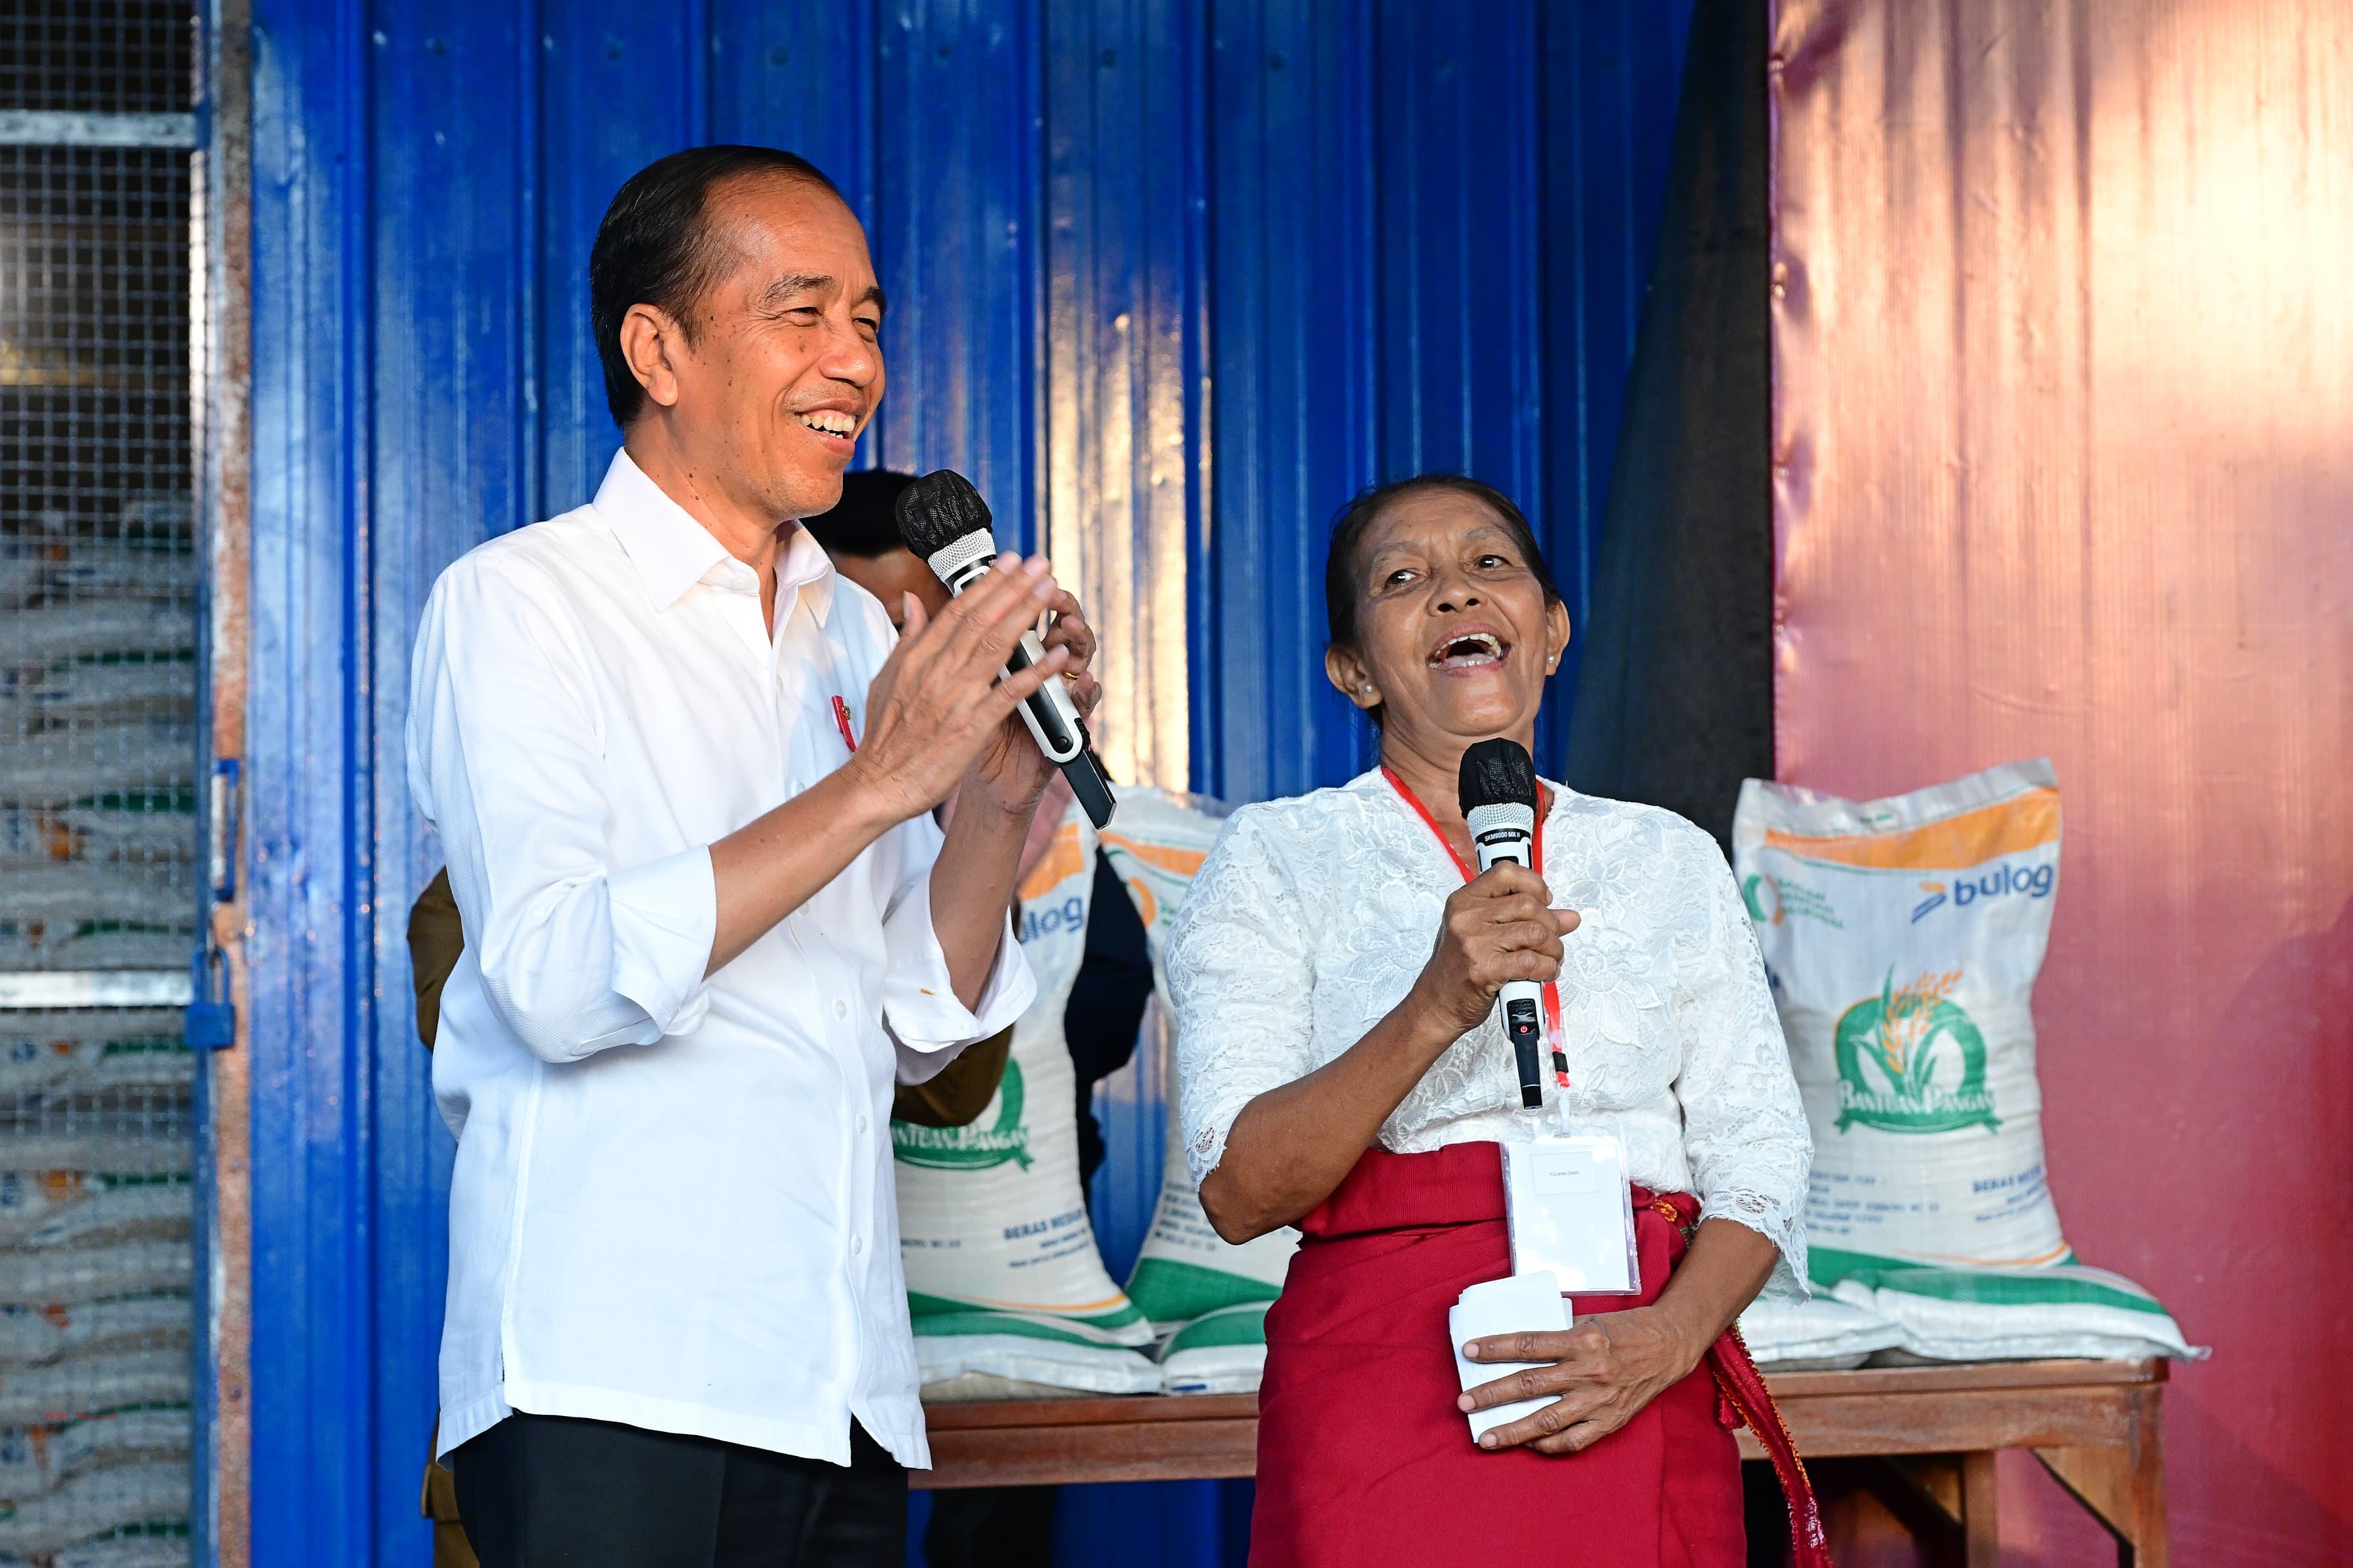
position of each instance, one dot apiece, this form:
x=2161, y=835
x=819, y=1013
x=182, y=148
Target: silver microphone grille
x=1503, y=817
x=960, y=556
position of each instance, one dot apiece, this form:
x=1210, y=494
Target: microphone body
x=944, y=521
x=1499, y=805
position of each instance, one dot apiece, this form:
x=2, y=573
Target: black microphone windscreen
x=938, y=510
x=1498, y=773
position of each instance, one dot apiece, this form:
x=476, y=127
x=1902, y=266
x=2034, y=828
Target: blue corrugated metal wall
x=1290, y=246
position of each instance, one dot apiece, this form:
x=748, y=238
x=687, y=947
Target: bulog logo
x=2032, y=882
x=1070, y=914
x=1910, y=1061
x=973, y=1148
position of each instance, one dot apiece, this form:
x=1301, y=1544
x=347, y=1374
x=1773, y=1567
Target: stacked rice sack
x=96, y=1322
x=1207, y=1299
x=1008, y=1293
x=1006, y=1290
x=1822, y=1334
x=1902, y=938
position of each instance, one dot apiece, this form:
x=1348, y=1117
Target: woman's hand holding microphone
x=1292, y=1145
x=1499, y=927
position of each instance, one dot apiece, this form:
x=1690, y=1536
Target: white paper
x=1563, y=1170
x=1522, y=1304
x=1571, y=1212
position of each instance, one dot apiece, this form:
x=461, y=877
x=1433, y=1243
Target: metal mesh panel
x=97, y=560
x=111, y=55
x=98, y=830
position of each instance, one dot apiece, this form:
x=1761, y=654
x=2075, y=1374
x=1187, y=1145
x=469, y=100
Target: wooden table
x=1921, y=1439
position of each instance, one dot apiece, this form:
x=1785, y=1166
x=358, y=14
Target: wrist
x=990, y=812
x=1012, y=802
x=1425, y=1027
x=878, y=802
x=1691, y=1335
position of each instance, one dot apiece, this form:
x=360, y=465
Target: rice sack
x=1004, y=1281
x=2005, y=1314
x=1820, y=1334
x=1206, y=1298
x=1902, y=938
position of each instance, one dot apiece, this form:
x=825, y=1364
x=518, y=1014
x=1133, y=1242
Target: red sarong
x=1364, y=1460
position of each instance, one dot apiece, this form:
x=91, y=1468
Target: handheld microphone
x=1499, y=804
x=946, y=524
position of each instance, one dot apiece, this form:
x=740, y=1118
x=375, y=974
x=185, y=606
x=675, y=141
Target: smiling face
x=1455, y=635
x=767, y=386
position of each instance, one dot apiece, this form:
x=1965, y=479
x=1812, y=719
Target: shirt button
x=856, y=1244
x=861, y=1122
x=841, y=1009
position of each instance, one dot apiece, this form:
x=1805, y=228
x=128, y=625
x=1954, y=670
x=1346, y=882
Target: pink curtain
x=2064, y=466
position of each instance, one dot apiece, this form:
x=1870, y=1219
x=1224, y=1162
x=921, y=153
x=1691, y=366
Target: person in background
x=684, y=775
x=1007, y=1526
x=1333, y=974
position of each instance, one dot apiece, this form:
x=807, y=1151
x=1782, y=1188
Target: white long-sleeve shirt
x=673, y=1205
x=1313, y=916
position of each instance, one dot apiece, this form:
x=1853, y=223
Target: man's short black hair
x=653, y=249
x=864, y=522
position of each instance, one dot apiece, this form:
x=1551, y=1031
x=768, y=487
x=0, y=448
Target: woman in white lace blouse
x=1334, y=974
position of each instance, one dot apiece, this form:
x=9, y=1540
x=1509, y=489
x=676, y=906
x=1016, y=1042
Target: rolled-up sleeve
x=1241, y=987
x=927, y=1023
x=665, y=918
x=505, y=760
x=1744, y=1124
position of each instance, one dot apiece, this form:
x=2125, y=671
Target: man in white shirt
x=684, y=775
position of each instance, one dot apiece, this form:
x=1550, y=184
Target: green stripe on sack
x=1241, y=1326
x=2058, y=1286
x=944, y=1325
x=922, y=1307
x=1829, y=1265
x=1166, y=1290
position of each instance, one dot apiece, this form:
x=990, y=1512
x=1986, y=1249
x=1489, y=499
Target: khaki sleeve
x=440, y=1504
x=436, y=938
x=961, y=1091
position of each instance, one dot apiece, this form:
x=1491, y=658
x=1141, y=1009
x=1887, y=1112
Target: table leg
x=2122, y=1485
x=1980, y=1511
x=2151, y=1549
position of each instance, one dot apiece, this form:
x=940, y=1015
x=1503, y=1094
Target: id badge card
x=1571, y=1211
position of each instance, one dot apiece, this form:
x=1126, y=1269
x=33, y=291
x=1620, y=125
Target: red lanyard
x=1551, y=991
x=841, y=723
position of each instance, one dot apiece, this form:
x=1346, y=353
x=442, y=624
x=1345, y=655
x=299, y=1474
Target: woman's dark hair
x=1344, y=576
x=654, y=248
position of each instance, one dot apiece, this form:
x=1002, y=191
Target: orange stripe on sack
x=1063, y=859
x=1184, y=862
x=2005, y=827
x=1963, y=1260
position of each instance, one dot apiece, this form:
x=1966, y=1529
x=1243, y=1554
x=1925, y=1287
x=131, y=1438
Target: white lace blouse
x=1312, y=917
